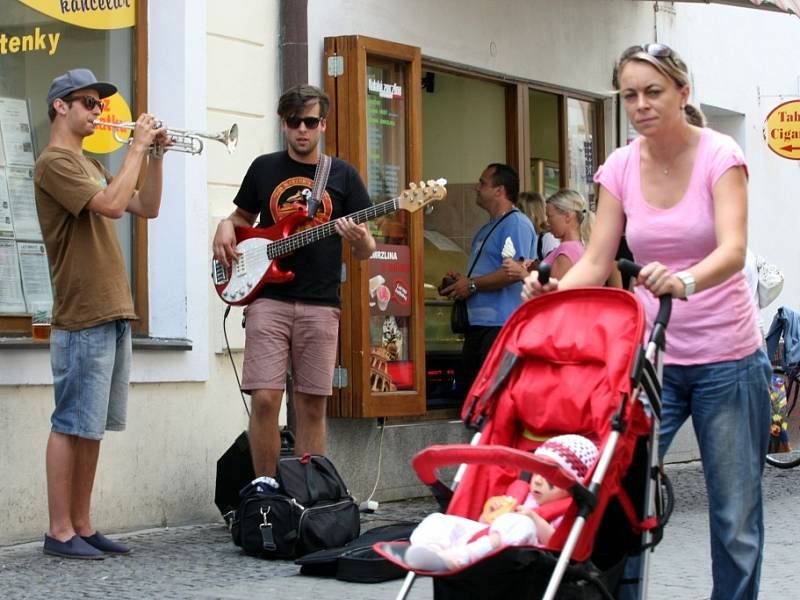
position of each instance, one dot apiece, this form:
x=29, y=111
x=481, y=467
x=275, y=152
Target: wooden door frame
x=346, y=138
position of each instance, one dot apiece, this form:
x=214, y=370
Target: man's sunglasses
x=90, y=102
x=309, y=122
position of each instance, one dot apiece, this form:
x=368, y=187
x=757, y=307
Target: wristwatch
x=688, y=282
x=472, y=287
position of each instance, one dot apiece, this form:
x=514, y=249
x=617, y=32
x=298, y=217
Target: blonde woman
x=571, y=222
x=533, y=205
x=679, y=192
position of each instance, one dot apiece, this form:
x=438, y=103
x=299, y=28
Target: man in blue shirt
x=490, y=293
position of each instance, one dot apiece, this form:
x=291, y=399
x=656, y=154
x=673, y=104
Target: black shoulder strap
x=475, y=262
x=539, y=247
x=320, y=181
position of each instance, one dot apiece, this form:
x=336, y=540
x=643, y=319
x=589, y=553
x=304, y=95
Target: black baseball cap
x=78, y=79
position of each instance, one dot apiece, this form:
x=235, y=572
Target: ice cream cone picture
x=374, y=283
x=383, y=295
x=508, y=249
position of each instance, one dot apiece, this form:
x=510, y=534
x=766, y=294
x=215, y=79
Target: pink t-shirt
x=713, y=325
x=572, y=249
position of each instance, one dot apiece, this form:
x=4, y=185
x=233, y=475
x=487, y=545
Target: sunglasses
x=90, y=102
x=309, y=122
x=655, y=50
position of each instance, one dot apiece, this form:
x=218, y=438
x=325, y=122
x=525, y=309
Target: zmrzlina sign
x=782, y=130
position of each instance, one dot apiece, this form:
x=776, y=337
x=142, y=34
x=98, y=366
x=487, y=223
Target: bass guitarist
x=298, y=318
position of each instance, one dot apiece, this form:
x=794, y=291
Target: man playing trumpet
x=90, y=346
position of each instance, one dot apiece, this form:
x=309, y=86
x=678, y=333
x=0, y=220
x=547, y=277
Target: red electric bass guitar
x=259, y=248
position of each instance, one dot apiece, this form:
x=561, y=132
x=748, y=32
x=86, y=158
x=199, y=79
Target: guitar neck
x=309, y=236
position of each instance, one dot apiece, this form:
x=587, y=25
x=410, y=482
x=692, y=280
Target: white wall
x=745, y=61
x=570, y=43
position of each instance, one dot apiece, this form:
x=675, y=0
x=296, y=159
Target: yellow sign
x=35, y=41
x=90, y=14
x=782, y=130
x=103, y=140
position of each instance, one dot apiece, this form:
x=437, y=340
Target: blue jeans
x=91, y=368
x=729, y=406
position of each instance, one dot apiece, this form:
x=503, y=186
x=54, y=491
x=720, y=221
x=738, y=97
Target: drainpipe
x=294, y=43
x=294, y=70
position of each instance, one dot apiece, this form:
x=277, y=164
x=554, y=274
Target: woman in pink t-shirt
x=571, y=222
x=679, y=192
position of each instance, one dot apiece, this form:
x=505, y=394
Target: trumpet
x=183, y=140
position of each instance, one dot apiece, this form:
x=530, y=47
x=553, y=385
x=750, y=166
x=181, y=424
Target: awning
x=789, y=6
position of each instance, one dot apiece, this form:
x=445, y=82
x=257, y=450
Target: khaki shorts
x=276, y=330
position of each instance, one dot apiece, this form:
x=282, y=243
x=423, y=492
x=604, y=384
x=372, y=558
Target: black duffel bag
x=311, y=510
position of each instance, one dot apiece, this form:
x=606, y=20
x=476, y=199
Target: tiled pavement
x=199, y=561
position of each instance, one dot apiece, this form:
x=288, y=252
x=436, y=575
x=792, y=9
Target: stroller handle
x=544, y=274
x=631, y=269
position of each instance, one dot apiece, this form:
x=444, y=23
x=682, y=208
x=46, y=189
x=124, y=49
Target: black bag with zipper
x=311, y=510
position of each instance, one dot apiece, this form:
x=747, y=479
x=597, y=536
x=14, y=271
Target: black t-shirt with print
x=272, y=188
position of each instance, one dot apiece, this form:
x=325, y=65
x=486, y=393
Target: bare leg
x=59, y=463
x=86, y=454
x=310, y=415
x=265, y=438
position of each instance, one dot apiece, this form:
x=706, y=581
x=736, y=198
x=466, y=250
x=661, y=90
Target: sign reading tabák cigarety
x=782, y=130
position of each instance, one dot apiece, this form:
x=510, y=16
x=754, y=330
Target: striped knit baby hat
x=574, y=453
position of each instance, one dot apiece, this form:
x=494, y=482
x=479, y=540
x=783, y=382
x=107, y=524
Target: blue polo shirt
x=491, y=308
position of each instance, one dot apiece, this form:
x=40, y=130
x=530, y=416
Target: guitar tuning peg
x=412, y=185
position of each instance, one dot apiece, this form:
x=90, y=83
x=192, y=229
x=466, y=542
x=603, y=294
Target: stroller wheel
x=784, y=460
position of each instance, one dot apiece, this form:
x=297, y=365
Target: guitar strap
x=320, y=181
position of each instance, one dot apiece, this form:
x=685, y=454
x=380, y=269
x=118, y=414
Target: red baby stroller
x=566, y=362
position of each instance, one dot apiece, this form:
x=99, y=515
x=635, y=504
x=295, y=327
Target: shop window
x=582, y=148
x=463, y=130
x=41, y=40
x=545, y=142
x=390, y=332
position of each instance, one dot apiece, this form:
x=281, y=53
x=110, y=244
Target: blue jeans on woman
x=730, y=410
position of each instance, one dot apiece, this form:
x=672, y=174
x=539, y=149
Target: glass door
x=375, y=125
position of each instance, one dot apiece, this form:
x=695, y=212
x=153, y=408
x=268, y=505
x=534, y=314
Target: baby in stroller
x=527, y=515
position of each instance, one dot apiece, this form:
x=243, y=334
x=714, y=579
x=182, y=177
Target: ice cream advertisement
x=389, y=283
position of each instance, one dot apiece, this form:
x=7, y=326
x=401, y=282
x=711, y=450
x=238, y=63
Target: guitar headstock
x=419, y=195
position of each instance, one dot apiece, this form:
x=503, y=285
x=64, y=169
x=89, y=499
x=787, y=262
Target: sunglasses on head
x=309, y=122
x=90, y=102
x=655, y=50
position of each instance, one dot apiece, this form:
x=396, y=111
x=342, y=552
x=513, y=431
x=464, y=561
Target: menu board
x=35, y=274
x=16, y=129
x=24, y=271
x=6, y=226
x=385, y=135
x=23, y=204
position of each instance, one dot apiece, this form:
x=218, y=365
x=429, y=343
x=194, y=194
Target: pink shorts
x=276, y=330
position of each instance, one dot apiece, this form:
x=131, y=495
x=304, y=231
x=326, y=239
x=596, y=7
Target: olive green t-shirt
x=86, y=262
